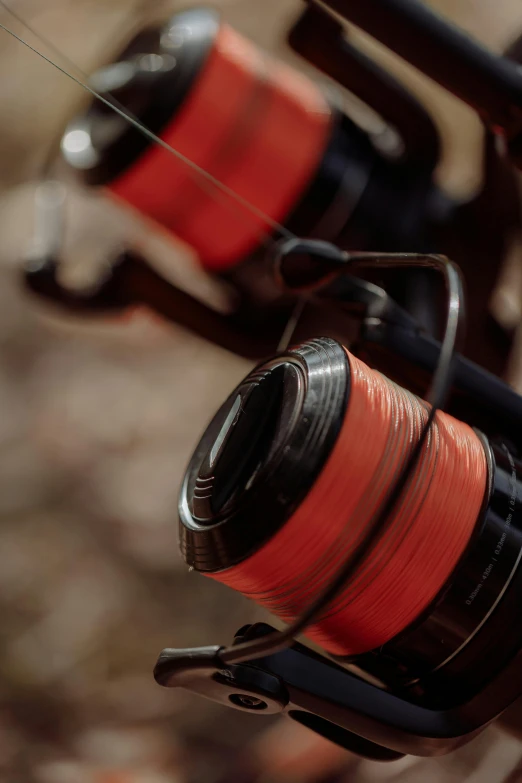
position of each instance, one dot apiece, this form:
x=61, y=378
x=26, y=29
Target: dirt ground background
x=97, y=423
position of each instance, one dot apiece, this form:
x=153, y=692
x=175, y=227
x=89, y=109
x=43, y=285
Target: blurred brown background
x=97, y=423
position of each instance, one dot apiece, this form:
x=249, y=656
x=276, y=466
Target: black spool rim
x=304, y=394
x=152, y=96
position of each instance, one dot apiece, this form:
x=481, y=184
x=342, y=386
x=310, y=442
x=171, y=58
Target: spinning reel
x=385, y=531
x=251, y=151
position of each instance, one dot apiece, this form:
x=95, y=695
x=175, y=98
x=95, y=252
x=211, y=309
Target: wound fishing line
x=428, y=532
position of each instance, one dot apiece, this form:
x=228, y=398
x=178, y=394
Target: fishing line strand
x=127, y=116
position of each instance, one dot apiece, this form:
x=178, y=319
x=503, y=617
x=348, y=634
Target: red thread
x=253, y=123
x=417, y=553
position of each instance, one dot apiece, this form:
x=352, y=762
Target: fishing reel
x=239, y=150
x=288, y=161
x=385, y=530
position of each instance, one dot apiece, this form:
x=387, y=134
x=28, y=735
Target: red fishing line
x=428, y=533
x=253, y=123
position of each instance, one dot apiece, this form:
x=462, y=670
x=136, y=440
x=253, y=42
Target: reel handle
x=325, y=697
x=130, y=281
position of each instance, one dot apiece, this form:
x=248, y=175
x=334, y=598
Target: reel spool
x=282, y=487
x=264, y=130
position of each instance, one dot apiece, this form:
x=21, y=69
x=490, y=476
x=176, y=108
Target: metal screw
x=248, y=702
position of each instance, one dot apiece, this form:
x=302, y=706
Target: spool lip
x=262, y=453
x=151, y=79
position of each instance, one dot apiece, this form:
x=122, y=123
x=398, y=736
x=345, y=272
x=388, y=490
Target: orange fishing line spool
x=248, y=121
x=376, y=427
x=257, y=126
x=414, y=590
x=429, y=533
x=255, y=150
